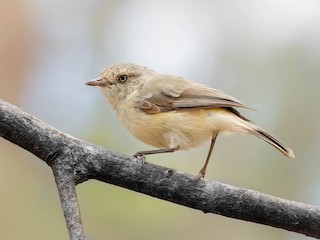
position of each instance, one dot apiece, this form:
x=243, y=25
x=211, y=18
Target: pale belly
x=184, y=129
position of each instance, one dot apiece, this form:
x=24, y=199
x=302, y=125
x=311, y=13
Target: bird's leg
x=203, y=170
x=141, y=155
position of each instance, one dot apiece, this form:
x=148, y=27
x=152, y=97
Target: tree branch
x=68, y=197
x=74, y=161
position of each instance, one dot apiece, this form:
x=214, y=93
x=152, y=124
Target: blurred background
x=265, y=53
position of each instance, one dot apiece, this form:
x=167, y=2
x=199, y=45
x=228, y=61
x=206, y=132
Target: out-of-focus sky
x=265, y=53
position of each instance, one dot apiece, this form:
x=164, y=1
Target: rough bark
x=74, y=161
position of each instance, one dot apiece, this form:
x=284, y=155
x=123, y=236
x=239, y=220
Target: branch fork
x=74, y=161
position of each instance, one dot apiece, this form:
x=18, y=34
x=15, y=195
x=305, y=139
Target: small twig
x=74, y=161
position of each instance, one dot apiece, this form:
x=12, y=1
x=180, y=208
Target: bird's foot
x=199, y=176
x=141, y=158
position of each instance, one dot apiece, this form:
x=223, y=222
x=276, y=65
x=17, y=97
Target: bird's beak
x=101, y=82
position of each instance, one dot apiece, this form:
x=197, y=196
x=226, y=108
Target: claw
x=199, y=176
x=141, y=158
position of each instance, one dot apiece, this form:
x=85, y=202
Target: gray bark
x=74, y=161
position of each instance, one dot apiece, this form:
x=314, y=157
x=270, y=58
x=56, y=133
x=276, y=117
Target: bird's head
x=119, y=81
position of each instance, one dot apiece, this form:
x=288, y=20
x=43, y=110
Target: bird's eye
x=122, y=78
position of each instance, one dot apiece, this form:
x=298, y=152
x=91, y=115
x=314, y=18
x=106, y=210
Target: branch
x=74, y=161
x=68, y=197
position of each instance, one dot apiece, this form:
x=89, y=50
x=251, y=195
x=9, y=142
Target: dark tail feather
x=273, y=141
x=249, y=127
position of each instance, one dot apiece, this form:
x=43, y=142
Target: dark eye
x=122, y=78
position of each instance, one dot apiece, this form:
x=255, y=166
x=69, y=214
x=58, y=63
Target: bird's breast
x=168, y=129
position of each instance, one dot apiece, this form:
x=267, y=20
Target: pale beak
x=101, y=82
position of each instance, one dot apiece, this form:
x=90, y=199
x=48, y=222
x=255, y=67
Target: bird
x=172, y=113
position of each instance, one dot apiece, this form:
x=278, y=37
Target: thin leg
x=203, y=170
x=140, y=155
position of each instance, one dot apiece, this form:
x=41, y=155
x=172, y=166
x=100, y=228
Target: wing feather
x=182, y=95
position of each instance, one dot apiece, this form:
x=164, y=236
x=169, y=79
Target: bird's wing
x=181, y=94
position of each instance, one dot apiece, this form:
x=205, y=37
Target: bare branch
x=74, y=161
x=67, y=191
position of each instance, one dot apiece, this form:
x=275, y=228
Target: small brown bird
x=172, y=113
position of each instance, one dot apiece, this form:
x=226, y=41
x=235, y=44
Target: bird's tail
x=260, y=133
x=248, y=127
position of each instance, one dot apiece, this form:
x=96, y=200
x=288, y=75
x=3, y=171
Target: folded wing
x=181, y=94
